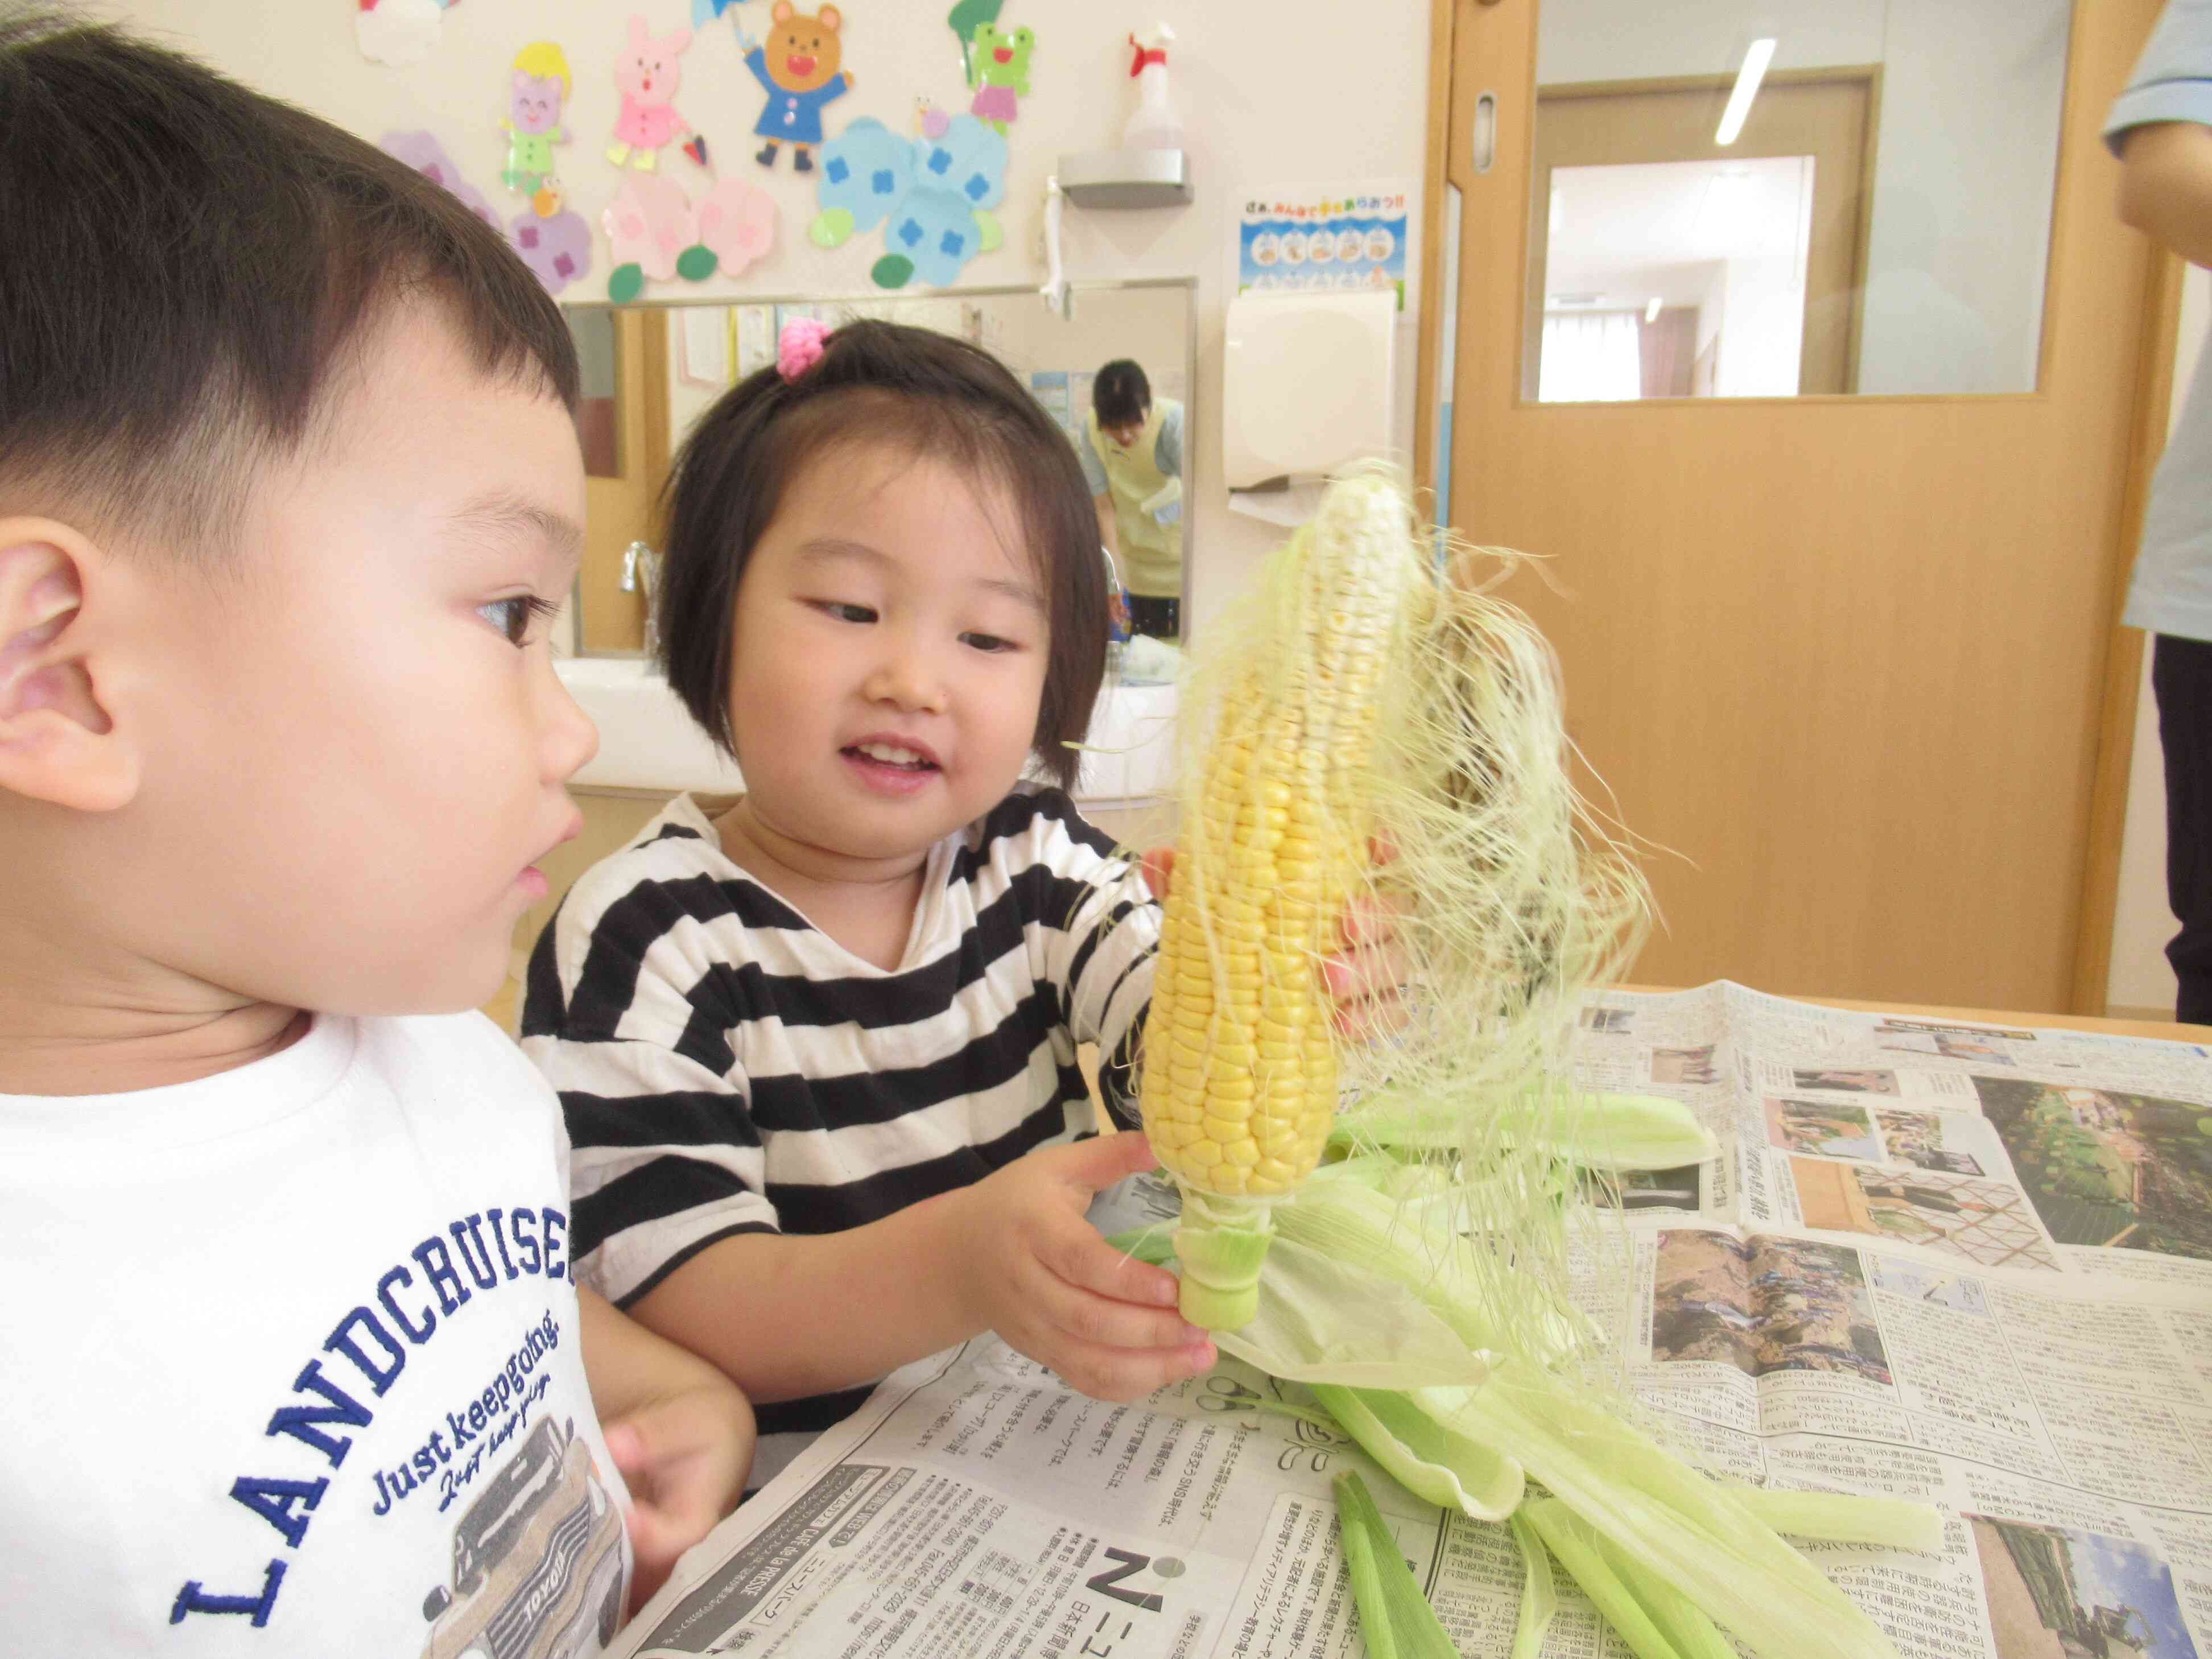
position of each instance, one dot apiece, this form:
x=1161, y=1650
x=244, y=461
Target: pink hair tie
x=799, y=348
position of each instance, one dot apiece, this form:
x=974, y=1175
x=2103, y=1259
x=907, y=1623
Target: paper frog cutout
x=797, y=67
x=1001, y=77
x=649, y=75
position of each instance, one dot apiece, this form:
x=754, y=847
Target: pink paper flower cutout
x=737, y=220
x=649, y=223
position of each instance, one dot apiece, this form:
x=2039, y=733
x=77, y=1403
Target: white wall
x=1966, y=159
x=2139, y=977
x=1269, y=94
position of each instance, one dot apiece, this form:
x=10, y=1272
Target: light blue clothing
x=1167, y=452
x=2171, y=592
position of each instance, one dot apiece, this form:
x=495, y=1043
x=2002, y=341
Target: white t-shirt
x=288, y=1360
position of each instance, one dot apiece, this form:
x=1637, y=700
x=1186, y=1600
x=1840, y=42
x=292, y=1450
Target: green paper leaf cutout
x=625, y=283
x=696, y=263
x=993, y=235
x=831, y=229
x=892, y=270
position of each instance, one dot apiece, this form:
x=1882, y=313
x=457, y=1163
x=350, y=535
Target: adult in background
x=2161, y=130
x=1132, y=453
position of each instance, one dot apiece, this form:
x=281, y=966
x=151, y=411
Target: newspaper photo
x=1965, y=1265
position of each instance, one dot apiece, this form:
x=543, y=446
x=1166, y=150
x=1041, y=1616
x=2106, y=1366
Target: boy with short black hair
x=293, y=1362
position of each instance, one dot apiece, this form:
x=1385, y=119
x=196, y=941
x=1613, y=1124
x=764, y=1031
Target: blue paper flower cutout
x=936, y=230
x=970, y=160
x=866, y=169
x=925, y=192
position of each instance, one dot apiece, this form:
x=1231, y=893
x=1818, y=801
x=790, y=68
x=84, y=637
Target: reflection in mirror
x=1115, y=377
x=1742, y=199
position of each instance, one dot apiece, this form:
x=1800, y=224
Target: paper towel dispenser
x=1307, y=382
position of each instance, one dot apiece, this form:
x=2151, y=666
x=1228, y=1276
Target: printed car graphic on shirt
x=538, y=1560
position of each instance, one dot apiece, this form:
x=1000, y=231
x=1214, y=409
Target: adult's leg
x=2181, y=680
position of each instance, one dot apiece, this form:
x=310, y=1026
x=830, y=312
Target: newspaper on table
x=1961, y=1263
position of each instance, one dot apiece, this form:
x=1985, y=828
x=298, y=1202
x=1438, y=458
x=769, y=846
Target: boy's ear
x=57, y=744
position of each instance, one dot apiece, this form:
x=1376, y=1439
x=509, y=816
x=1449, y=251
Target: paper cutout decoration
x=929, y=121
x=965, y=18
x=422, y=152
x=648, y=76
x=704, y=12
x=656, y=232
x=1001, y=74
x=557, y=247
x=932, y=196
x=398, y=32
x=538, y=85
x=797, y=67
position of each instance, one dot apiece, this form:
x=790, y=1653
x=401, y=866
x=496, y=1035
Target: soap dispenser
x=1155, y=125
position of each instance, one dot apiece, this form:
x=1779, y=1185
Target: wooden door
x=1842, y=660
x=619, y=499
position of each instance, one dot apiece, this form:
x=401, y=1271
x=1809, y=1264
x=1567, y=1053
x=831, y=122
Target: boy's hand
x=1365, y=974
x=685, y=1458
x=1041, y=1276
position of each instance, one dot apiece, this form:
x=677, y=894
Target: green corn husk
x=1605, y=1131
x=1664, y=1518
x=1650, y=1614
x=1395, y=1620
x=1422, y=1456
x=1845, y=1518
x=1540, y=1596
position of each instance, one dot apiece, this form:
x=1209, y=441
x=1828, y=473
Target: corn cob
x=1240, y=1077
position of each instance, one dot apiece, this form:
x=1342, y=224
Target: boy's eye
x=511, y=618
x=843, y=612
x=989, y=642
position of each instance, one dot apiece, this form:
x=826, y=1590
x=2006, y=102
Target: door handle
x=1484, y=133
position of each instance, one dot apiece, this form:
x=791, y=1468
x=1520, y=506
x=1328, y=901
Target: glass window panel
x=1878, y=221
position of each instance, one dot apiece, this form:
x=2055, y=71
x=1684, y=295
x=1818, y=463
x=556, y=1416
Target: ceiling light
x=1756, y=57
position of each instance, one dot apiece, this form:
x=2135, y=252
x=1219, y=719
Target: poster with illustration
x=1319, y=239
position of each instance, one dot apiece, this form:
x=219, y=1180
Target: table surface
x=2165, y=1030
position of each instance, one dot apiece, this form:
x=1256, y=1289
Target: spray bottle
x=1155, y=125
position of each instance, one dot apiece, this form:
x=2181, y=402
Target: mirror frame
x=1076, y=291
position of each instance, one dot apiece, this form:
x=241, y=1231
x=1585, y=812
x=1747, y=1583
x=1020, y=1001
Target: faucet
x=641, y=573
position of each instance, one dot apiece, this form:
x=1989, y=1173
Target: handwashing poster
x=1319, y=238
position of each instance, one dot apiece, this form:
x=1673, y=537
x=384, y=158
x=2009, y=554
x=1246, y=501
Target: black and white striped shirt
x=727, y=1067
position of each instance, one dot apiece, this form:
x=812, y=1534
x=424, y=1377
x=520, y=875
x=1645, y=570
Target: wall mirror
x=1739, y=198
x=650, y=371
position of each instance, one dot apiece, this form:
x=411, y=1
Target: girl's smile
x=888, y=658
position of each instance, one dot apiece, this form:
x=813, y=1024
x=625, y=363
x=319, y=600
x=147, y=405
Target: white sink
x=647, y=741
x=1131, y=751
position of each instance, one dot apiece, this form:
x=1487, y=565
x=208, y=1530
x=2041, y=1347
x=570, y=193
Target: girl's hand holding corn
x=1041, y=1276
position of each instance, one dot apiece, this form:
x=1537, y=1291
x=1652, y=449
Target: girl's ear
x=58, y=741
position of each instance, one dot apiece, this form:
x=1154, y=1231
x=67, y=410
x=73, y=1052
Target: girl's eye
x=511, y=618
x=989, y=642
x=843, y=612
